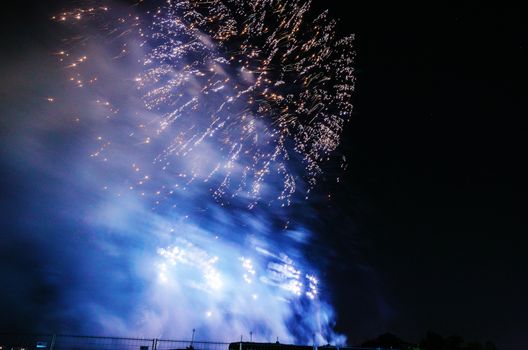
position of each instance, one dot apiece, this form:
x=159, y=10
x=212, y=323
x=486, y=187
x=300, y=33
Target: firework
x=266, y=82
x=232, y=101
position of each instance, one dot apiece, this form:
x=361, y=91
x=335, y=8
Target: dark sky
x=435, y=191
x=427, y=226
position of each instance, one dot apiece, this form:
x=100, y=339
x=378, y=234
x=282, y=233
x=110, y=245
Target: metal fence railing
x=71, y=342
x=9, y=341
x=74, y=342
x=162, y=344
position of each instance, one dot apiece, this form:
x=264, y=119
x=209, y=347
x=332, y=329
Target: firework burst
x=234, y=102
x=266, y=82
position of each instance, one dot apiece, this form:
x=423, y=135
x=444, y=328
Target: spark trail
x=209, y=116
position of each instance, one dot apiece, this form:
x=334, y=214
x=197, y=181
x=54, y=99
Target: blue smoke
x=106, y=240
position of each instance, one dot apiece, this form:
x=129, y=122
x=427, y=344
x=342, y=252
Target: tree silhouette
x=431, y=341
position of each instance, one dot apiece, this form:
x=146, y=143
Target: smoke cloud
x=112, y=235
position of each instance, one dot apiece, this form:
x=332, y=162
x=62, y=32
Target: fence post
x=52, y=342
x=154, y=343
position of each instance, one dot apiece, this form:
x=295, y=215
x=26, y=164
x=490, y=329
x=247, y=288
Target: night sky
x=426, y=228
